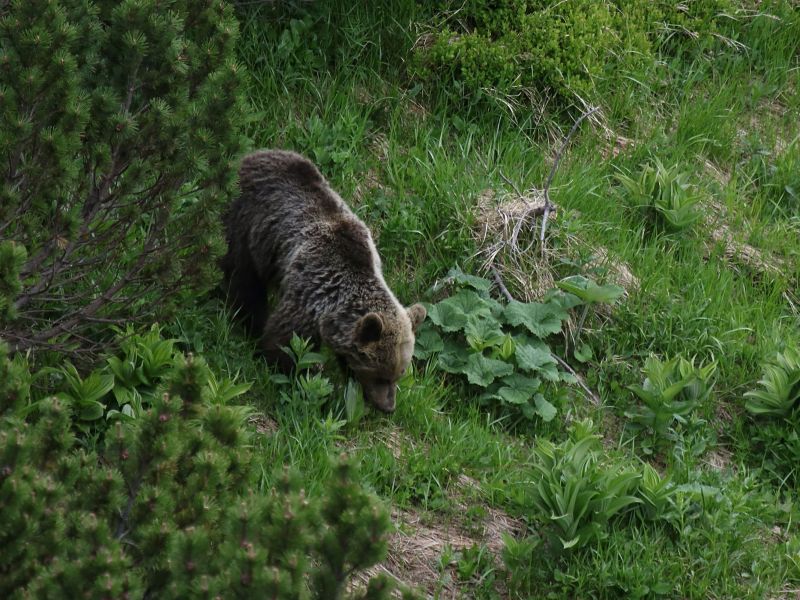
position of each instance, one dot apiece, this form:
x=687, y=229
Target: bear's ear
x=369, y=328
x=417, y=315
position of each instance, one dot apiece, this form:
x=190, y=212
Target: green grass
x=328, y=80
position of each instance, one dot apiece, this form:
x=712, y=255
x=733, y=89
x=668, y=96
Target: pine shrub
x=169, y=507
x=119, y=127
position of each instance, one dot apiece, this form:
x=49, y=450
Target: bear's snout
x=382, y=395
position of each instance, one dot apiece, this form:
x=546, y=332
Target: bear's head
x=380, y=351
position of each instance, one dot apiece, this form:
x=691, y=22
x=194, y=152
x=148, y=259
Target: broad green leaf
x=564, y=299
x=540, y=319
x=483, y=333
x=91, y=410
x=122, y=369
x=528, y=411
x=224, y=390
x=428, y=342
x=95, y=386
x=583, y=354
x=453, y=362
x=543, y=408
x=567, y=377
x=588, y=291
x=478, y=283
x=698, y=489
x=513, y=396
x=507, y=348
x=470, y=303
x=353, y=401
x=533, y=358
x=279, y=378
x=522, y=383
x=482, y=371
x=447, y=315
x=453, y=357
x=569, y=543
x=617, y=504
x=124, y=395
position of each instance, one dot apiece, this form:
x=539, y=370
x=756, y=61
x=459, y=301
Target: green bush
x=168, y=507
x=558, y=49
x=119, y=127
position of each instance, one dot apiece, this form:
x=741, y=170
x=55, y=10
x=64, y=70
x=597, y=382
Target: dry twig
x=548, y=205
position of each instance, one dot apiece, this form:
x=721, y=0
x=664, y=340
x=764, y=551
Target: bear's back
x=287, y=182
x=286, y=206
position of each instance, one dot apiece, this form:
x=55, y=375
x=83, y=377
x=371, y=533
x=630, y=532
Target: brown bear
x=289, y=231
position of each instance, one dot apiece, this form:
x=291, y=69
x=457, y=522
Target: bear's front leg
x=282, y=324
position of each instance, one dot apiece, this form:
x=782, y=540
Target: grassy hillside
x=434, y=174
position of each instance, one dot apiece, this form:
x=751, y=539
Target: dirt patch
x=496, y=217
x=617, y=144
x=717, y=173
x=419, y=541
x=263, y=424
x=417, y=110
x=495, y=524
x=521, y=266
x=369, y=181
x=379, y=146
x=618, y=271
x=736, y=252
x=394, y=438
x=718, y=459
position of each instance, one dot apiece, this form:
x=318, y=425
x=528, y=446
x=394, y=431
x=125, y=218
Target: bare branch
x=501, y=286
x=547, y=203
x=592, y=396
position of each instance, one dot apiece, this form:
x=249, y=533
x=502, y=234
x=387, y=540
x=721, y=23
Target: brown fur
x=290, y=231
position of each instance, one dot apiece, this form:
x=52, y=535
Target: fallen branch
x=548, y=205
x=592, y=396
x=501, y=286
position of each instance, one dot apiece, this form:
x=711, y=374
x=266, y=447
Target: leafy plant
x=778, y=442
x=665, y=194
x=476, y=565
x=589, y=293
x=778, y=401
x=503, y=349
x=499, y=349
x=132, y=380
x=671, y=391
x=333, y=144
x=509, y=47
x=317, y=382
x=657, y=494
x=520, y=558
x=575, y=493
x=779, y=392
x=84, y=395
x=139, y=367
